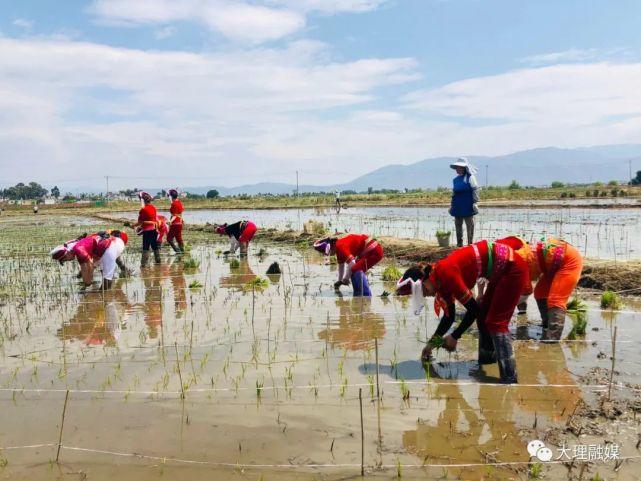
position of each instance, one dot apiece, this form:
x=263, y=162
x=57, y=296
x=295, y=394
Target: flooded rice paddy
x=224, y=378
x=597, y=232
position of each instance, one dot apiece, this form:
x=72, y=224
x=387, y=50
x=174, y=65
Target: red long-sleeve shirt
x=455, y=276
x=350, y=246
x=176, y=211
x=145, y=215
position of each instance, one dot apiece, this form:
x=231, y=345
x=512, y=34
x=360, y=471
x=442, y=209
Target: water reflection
x=357, y=325
x=239, y=274
x=487, y=423
x=98, y=320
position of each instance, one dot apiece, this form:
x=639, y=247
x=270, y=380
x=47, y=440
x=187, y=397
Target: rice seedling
x=576, y=304
x=610, y=300
x=579, y=325
x=391, y=274
x=536, y=470
x=256, y=284
x=190, y=263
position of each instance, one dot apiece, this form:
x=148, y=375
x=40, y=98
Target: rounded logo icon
x=534, y=446
x=544, y=454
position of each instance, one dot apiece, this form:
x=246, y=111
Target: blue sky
x=222, y=92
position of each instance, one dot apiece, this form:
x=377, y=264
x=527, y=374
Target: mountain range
x=535, y=167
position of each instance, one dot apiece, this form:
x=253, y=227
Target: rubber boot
x=181, y=245
x=487, y=353
x=106, y=284
x=522, y=305
x=556, y=322
x=144, y=260
x=157, y=256
x=174, y=246
x=543, y=310
x=505, y=357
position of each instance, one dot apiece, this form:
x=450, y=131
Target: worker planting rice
x=555, y=266
x=453, y=278
x=240, y=235
x=104, y=247
x=356, y=254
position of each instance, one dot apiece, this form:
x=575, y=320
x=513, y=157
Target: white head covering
x=417, y=293
x=465, y=163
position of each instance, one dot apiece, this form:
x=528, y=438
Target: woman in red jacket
x=147, y=226
x=105, y=247
x=356, y=254
x=176, y=222
x=240, y=235
x=453, y=278
x=555, y=266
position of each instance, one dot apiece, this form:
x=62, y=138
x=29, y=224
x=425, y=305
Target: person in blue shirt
x=464, y=199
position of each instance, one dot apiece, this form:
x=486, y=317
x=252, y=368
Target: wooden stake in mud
x=360, y=401
x=378, y=392
x=180, y=377
x=62, y=425
x=614, y=346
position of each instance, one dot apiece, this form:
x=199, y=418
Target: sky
x=220, y=92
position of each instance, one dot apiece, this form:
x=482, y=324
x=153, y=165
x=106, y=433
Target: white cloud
x=74, y=104
x=246, y=21
x=573, y=95
x=330, y=6
x=78, y=110
x=164, y=32
x=234, y=19
x=574, y=55
x=23, y=23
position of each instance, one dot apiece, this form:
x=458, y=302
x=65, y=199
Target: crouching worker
x=104, y=247
x=555, y=266
x=356, y=254
x=453, y=278
x=240, y=235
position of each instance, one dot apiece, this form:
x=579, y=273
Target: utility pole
x=297, y=192
x=107, y=192
x=486, y=167
x=630, y=169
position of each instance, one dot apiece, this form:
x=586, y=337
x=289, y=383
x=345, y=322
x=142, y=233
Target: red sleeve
x=453, y=286
x=142, y=215
x=343, y=250
x=85, y=250
x=176, y=207
x=147, y=213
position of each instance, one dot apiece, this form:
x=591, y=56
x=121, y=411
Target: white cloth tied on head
x=417, y=302
x=465, y=163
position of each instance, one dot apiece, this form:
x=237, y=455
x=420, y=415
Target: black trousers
x=150, y=240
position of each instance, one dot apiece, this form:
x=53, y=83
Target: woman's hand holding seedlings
x=450, y=343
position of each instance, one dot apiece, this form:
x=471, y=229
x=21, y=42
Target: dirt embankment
x=597, y=274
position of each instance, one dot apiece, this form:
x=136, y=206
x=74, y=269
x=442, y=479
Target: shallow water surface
x=202, y=383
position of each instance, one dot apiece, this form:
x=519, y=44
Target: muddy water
x=271, y=379
x=597, y=232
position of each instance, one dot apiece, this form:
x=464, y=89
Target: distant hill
x=537, y=167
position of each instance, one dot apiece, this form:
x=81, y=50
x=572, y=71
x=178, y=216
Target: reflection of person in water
x=238, y=276
x=179, y=286
x=153, y=299
x=467, y=432
x=98, y=320
x=358, y=325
